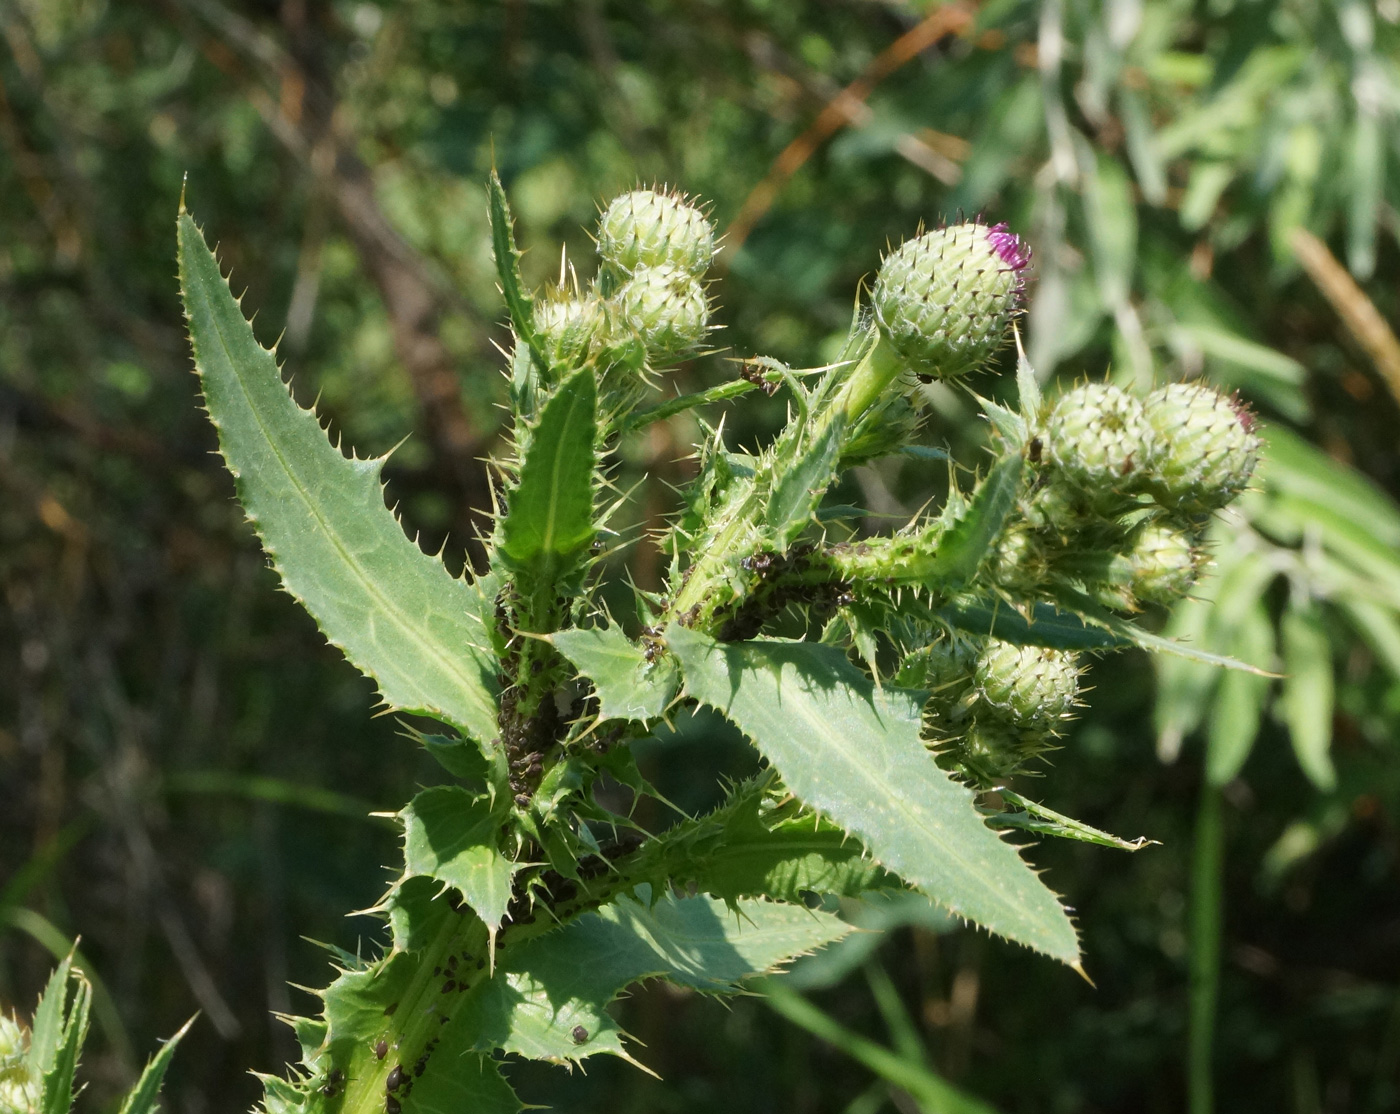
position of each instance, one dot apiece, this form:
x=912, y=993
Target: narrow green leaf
x=142, y=1099
x=1029, y=816
x=548, y=1000
x=518, y=301
x=1130, y=632
x=450, y=834
x=549, y=523
x=1048, y=626
x=468, y=1082
x=46, y=1033
x=965, y=545
x=628, y=686
x=56, y=1086
x=1306, y=697
x=855, y=755
x=1239, y=701
x=394, y=611
x=803, y=482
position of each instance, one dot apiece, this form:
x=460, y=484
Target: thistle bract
x=1209, y=447
x=665, y=308
x=19, y=1092
x=944, y=300
x=1164, y=564
x=1029, y=686
x=648, y=228
x=1100, y=439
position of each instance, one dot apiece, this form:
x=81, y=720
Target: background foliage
x=187, y=767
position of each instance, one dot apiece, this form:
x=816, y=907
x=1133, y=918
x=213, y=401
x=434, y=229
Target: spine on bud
x=1209, y=450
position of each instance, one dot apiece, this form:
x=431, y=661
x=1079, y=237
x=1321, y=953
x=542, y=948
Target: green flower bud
x=1028, y=686
x=944, y=300
x=1210, y=448
x=647, y=228
x=665, y=308
x=567, y=325
x=1163, y=563
x=1100, y=439
x=1020, y=562
x=943, y=668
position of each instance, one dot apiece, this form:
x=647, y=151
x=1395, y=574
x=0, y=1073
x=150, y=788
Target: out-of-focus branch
x=848, y=107
x=1357, y=311
x=305, y=120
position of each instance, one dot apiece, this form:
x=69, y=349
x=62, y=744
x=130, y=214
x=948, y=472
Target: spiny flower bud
x=1100, y=439
x=1209, y=447
x=647, y=228
x=944, y=299
x=1029, y=686
x=941, y=668
x=1164, y=564
x=665, y=308
x=567, y=325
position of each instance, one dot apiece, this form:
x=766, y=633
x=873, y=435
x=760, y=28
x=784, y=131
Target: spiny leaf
x=965, y=544
x=46, y=1034
x=549, y=524
x=802, y=483
x=628, y=686
x=142, y=1099
x=507, y=255
x=1048, y=626
x=56, y=1088
x=468, y=1083
x=855, y=755
x=450, y=834
x=549, y=1000
x=395, y=611
x=1032, y=817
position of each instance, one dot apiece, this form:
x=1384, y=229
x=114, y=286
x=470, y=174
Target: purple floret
x=1008, y=246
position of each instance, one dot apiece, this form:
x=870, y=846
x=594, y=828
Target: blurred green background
x=1210, y=188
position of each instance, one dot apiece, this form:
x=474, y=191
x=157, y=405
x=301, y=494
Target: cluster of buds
x=993, y=705
x=648, y=306
x=1125, y=489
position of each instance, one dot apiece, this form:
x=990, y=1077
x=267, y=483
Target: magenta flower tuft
x=1010, y=249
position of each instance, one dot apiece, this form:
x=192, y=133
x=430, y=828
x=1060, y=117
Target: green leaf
x=468, y=1083
x=965, y=544
x=356, y=1004
x=56, y=1086
x=1048, y=626
x=803, y=482
x=548, y=1000
x=1239, y=701
x=417, y=910
x=1032, y=817
x=518, y=301
x=450, y=834
x=855, y=755
x=46, y=1033
x=394, y=611
x=1306, y=698
x=549, y=523
x=628, y=686
x=142, y=1099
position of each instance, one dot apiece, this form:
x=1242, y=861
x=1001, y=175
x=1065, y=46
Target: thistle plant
x=932, y=665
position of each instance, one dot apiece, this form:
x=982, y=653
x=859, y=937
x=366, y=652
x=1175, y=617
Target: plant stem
x=1207, y=899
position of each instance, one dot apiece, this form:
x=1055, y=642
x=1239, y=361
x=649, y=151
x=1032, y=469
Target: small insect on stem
x=381, y=1049
x=579, y=1033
